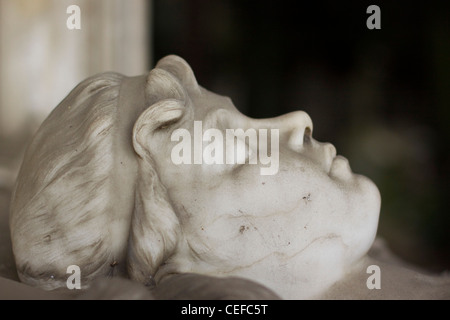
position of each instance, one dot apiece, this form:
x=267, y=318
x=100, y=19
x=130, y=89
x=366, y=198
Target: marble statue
x=156, y=179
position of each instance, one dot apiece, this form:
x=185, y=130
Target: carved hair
x=64, y=202
x=155, y=227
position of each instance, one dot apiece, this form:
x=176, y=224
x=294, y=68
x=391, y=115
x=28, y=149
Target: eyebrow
x=161, y=85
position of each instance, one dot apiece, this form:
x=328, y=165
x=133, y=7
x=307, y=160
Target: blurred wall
x=41, y=59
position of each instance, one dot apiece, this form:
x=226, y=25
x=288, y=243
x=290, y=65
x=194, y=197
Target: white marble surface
x=299, y=232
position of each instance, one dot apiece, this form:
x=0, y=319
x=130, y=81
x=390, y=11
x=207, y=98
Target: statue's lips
x=340, y=167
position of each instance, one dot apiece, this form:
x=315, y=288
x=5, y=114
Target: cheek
x=236, y=221
x=228, y=230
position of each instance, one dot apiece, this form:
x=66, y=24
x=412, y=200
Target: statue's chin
x=367, y=210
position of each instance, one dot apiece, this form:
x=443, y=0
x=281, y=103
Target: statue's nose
x=294, y=127
x=299, y=128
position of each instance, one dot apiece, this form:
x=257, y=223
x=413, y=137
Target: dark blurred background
x=382, y=97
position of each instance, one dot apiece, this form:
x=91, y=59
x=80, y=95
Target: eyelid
x=167, y=124
x=166, y=113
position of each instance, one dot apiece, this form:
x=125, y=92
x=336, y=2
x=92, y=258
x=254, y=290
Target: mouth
x=340, y=167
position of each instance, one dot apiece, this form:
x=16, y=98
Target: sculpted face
x=145, y=174
x=296, y=230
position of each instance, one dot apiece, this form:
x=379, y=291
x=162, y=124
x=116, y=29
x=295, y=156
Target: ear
x=154, y=118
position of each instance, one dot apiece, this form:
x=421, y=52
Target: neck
x=305, y=274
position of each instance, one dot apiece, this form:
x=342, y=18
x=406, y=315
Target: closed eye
x=167, y=124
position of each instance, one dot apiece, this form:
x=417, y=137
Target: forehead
x=205, y=101
x=162, y=84
x=173, y=78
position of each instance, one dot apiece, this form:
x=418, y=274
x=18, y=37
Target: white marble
x=98, y=188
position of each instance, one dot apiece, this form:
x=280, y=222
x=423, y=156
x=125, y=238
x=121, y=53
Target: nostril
x=300, y=137
x=307, y=135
